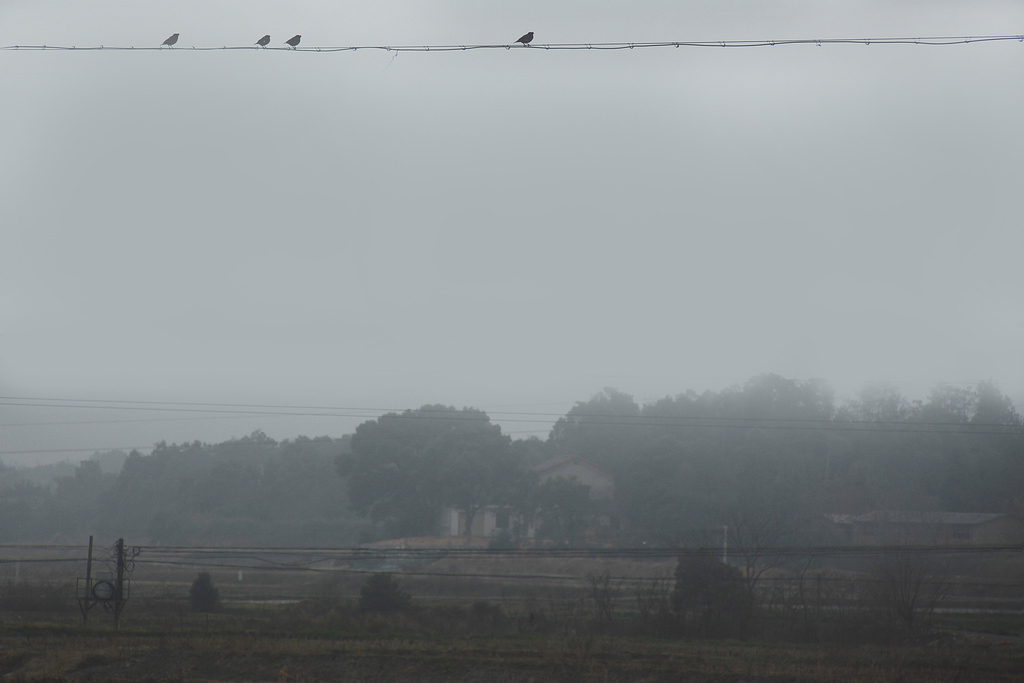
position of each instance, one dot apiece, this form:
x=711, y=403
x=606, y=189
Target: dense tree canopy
x=769, y=449
x=251, y=490
x=405, y=468
x=689, y=463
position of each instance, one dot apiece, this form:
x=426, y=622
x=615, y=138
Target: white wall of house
x=485, y=522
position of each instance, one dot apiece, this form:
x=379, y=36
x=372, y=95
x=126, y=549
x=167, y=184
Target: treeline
x=771, y=456
x=247, y=491
x=767, y=458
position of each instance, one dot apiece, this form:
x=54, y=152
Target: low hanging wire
x=931, y=40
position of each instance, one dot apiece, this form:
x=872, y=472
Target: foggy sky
x=500, y=229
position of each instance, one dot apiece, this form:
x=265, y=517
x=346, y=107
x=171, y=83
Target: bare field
x=289, y=616
x=50, y=654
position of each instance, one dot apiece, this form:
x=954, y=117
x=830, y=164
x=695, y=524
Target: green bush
x=381, y=593
x=204, y=596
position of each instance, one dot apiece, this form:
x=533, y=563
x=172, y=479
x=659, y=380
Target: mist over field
x=768, y=511
x=365, y=341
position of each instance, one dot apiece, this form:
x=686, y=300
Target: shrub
x=711, y=595
x=381, y=593
x=906, y=588
x=503, y=541
x=204, y=596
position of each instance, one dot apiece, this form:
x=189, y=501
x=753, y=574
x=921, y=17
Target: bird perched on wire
x=170, y=41
x=294, y=41
x=264, y=41
x=525, y=40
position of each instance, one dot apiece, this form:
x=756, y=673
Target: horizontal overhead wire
x=435, y=413
x=312, y=560
x=921, y=40
x=638, y=553
x=691, y=421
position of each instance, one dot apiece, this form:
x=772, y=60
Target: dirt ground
x=40, y=654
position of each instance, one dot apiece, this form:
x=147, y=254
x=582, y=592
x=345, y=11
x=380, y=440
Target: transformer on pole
x=112, y=592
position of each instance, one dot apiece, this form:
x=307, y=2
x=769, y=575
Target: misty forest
x=773, y=456
x=717, y=535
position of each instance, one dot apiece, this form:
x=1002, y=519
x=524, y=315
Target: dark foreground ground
x=46, y=653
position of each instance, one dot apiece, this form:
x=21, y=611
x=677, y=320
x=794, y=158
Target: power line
x=937, y=41
x=826, y=428
x=429, y=413
x=694, y=422
x=66, y=423
x=241, y=558
x=554, y=577
x=645, y=552
x=40, y=451
x=661, y=552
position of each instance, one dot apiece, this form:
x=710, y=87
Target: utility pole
x=112, y=592
x=119, y=583
x=83, y=603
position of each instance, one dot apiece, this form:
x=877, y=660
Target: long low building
x=924, y=528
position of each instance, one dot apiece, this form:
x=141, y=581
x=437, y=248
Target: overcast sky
x=506, y=229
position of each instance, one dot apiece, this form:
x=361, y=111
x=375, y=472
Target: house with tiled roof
x=600, y=481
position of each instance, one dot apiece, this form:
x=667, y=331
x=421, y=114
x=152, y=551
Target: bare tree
x=604, y=593
x=907, y=587
x=757, y=535
x=652, y=597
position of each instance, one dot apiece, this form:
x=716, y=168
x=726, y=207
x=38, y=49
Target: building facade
x=928, y=528
x=491, y=520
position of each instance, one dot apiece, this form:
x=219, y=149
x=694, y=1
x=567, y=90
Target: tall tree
x=564, y=510
x=404, y=468
x=604, y=430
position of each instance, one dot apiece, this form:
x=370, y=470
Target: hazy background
x=511, y=230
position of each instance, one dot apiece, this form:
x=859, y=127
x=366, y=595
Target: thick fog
x=505, y=229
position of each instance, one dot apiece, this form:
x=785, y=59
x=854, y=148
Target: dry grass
x=42, y=654
x=545, y=631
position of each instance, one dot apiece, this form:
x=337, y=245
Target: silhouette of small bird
x=170, y=41
x=525, y=40
x=264, y=41
x=294, y=40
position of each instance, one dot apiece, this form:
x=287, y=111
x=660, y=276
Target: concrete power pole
x=119, y=583
x=84, y=603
